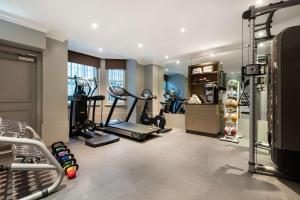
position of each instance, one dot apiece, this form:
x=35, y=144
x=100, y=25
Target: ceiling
x=124, y=24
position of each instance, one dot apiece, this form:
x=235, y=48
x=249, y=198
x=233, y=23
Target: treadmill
x=137, y=131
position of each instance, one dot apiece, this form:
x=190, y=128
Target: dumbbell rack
x=26, y=165
x=229, y=122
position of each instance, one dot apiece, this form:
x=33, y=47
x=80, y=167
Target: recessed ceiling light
x=182, y=30
x=258, y=2
x=140, y=45
x=212, y=55
x=261, y=45
x=166, y=69
x=177, y=62
x=94, y=25
x=261, y=34
x=166, y=57
x=100, y=49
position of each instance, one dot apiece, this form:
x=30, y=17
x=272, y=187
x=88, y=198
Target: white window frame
x=97, y=92
x=120, y=103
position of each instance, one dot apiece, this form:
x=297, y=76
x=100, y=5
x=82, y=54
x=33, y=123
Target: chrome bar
x=53, y=163
x=31, y=167
x=276, y=6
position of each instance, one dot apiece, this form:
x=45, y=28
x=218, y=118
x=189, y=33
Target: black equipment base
x=164, y=130
x=100, y=140
x=288, y=162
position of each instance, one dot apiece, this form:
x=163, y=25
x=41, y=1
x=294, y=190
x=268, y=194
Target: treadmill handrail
x=113, y=95
x=125, y=93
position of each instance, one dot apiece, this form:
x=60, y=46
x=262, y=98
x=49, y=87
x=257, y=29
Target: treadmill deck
x=136, y=128
x=137, y=131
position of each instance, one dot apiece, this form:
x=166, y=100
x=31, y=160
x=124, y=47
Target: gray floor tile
x=174, y=166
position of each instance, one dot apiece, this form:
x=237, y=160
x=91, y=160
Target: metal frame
x=251, y=15
x=35, y=141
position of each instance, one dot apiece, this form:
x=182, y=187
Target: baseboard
x=213, y=135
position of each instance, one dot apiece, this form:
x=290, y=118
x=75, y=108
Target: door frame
x=39, y=81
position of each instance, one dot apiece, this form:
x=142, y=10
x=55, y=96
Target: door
x=18, y=86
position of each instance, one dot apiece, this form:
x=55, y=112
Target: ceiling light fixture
x=177, y=62
x=94, y=25
x=258, y=2
x=140, y=45
x=100, y=49
x=212, y=55
x=166, y=57
x=261, y=45
x=182, y=30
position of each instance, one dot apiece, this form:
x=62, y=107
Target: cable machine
x=253, y=70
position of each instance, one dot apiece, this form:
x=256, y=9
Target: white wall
x=55, y=104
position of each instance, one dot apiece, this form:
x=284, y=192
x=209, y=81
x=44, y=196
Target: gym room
x=149, y=100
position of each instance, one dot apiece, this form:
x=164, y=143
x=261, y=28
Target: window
x=82, y=72
x=115, y=77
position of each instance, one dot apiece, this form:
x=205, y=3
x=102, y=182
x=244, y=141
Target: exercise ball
x=233, y=131
x=234, y=118
x=227, y=130
x=226, y=116
x=231, y=103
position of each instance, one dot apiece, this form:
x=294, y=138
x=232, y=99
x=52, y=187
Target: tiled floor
x=175, y=166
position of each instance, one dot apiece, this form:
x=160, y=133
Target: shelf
x=231, y=122
x=210, y=82
x=206, y=73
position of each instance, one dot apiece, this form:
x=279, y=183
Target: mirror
x=176, y=86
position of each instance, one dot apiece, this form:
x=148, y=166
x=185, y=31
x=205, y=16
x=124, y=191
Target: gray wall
x=135, y=85
x=55, y=112
x=154, y=80
x=21, y=35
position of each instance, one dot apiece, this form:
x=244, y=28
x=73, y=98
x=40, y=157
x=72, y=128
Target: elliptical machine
x=79, y=123
x=159, y=120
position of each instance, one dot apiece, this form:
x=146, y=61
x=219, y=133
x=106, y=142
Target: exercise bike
x=159, y=120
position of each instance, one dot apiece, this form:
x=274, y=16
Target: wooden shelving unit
x=195, y=85
x=203, y=118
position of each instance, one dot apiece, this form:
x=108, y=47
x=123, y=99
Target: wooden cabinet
x=203, y=119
